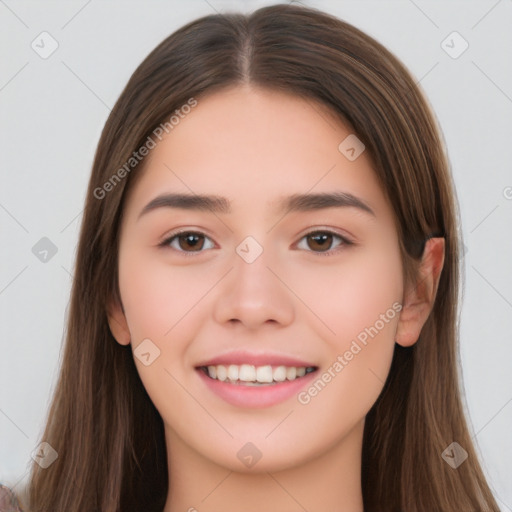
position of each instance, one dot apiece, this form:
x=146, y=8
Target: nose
x=254, y=294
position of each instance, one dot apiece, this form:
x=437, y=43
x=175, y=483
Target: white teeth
x=279, y=374
x=222, y=373
x=247, y=373
x=291, y=373
x=212, y=371
x=232, y=372
x=264, y=373
x=250, y=374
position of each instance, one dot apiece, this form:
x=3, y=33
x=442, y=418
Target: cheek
x=157, y=296
x=352, y=294
x=358, y=301
x=162, y=304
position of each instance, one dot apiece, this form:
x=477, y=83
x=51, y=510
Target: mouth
x=250, y=375
x=252, y=386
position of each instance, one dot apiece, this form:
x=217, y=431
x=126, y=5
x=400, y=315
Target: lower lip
x=256, y=396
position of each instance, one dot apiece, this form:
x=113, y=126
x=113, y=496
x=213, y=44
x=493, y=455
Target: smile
x=250, y=386
x=250, y=375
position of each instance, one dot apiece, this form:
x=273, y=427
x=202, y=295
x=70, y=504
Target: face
x=306, y=294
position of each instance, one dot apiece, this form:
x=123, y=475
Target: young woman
x=263, y=315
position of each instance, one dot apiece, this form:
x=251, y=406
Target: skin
x=292, y=299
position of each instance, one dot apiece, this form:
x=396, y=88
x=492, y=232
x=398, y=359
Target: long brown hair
x=108, y=435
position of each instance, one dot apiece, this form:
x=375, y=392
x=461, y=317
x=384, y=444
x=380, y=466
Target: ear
x=117, y=323
x=419, y=296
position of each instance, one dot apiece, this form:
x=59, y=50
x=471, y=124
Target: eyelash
x=345, y=241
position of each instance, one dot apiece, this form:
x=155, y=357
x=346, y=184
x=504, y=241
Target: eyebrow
x=293, y=203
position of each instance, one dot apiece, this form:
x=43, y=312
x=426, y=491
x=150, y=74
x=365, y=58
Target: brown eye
x=192, y=241
x=322, y=241
x=186, y=241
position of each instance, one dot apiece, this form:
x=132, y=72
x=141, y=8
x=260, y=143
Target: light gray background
x=53, y=110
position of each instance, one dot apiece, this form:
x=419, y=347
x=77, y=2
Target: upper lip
x=239, y=357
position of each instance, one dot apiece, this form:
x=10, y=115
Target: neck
x=330, y=481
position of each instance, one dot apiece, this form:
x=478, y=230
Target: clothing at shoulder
x=8, y=500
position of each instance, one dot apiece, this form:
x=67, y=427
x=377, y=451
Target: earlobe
x=117, y=323
x=419, y=297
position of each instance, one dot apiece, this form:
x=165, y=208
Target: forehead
x=254, y=147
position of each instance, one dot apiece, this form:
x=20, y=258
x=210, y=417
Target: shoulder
x=8, y=500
